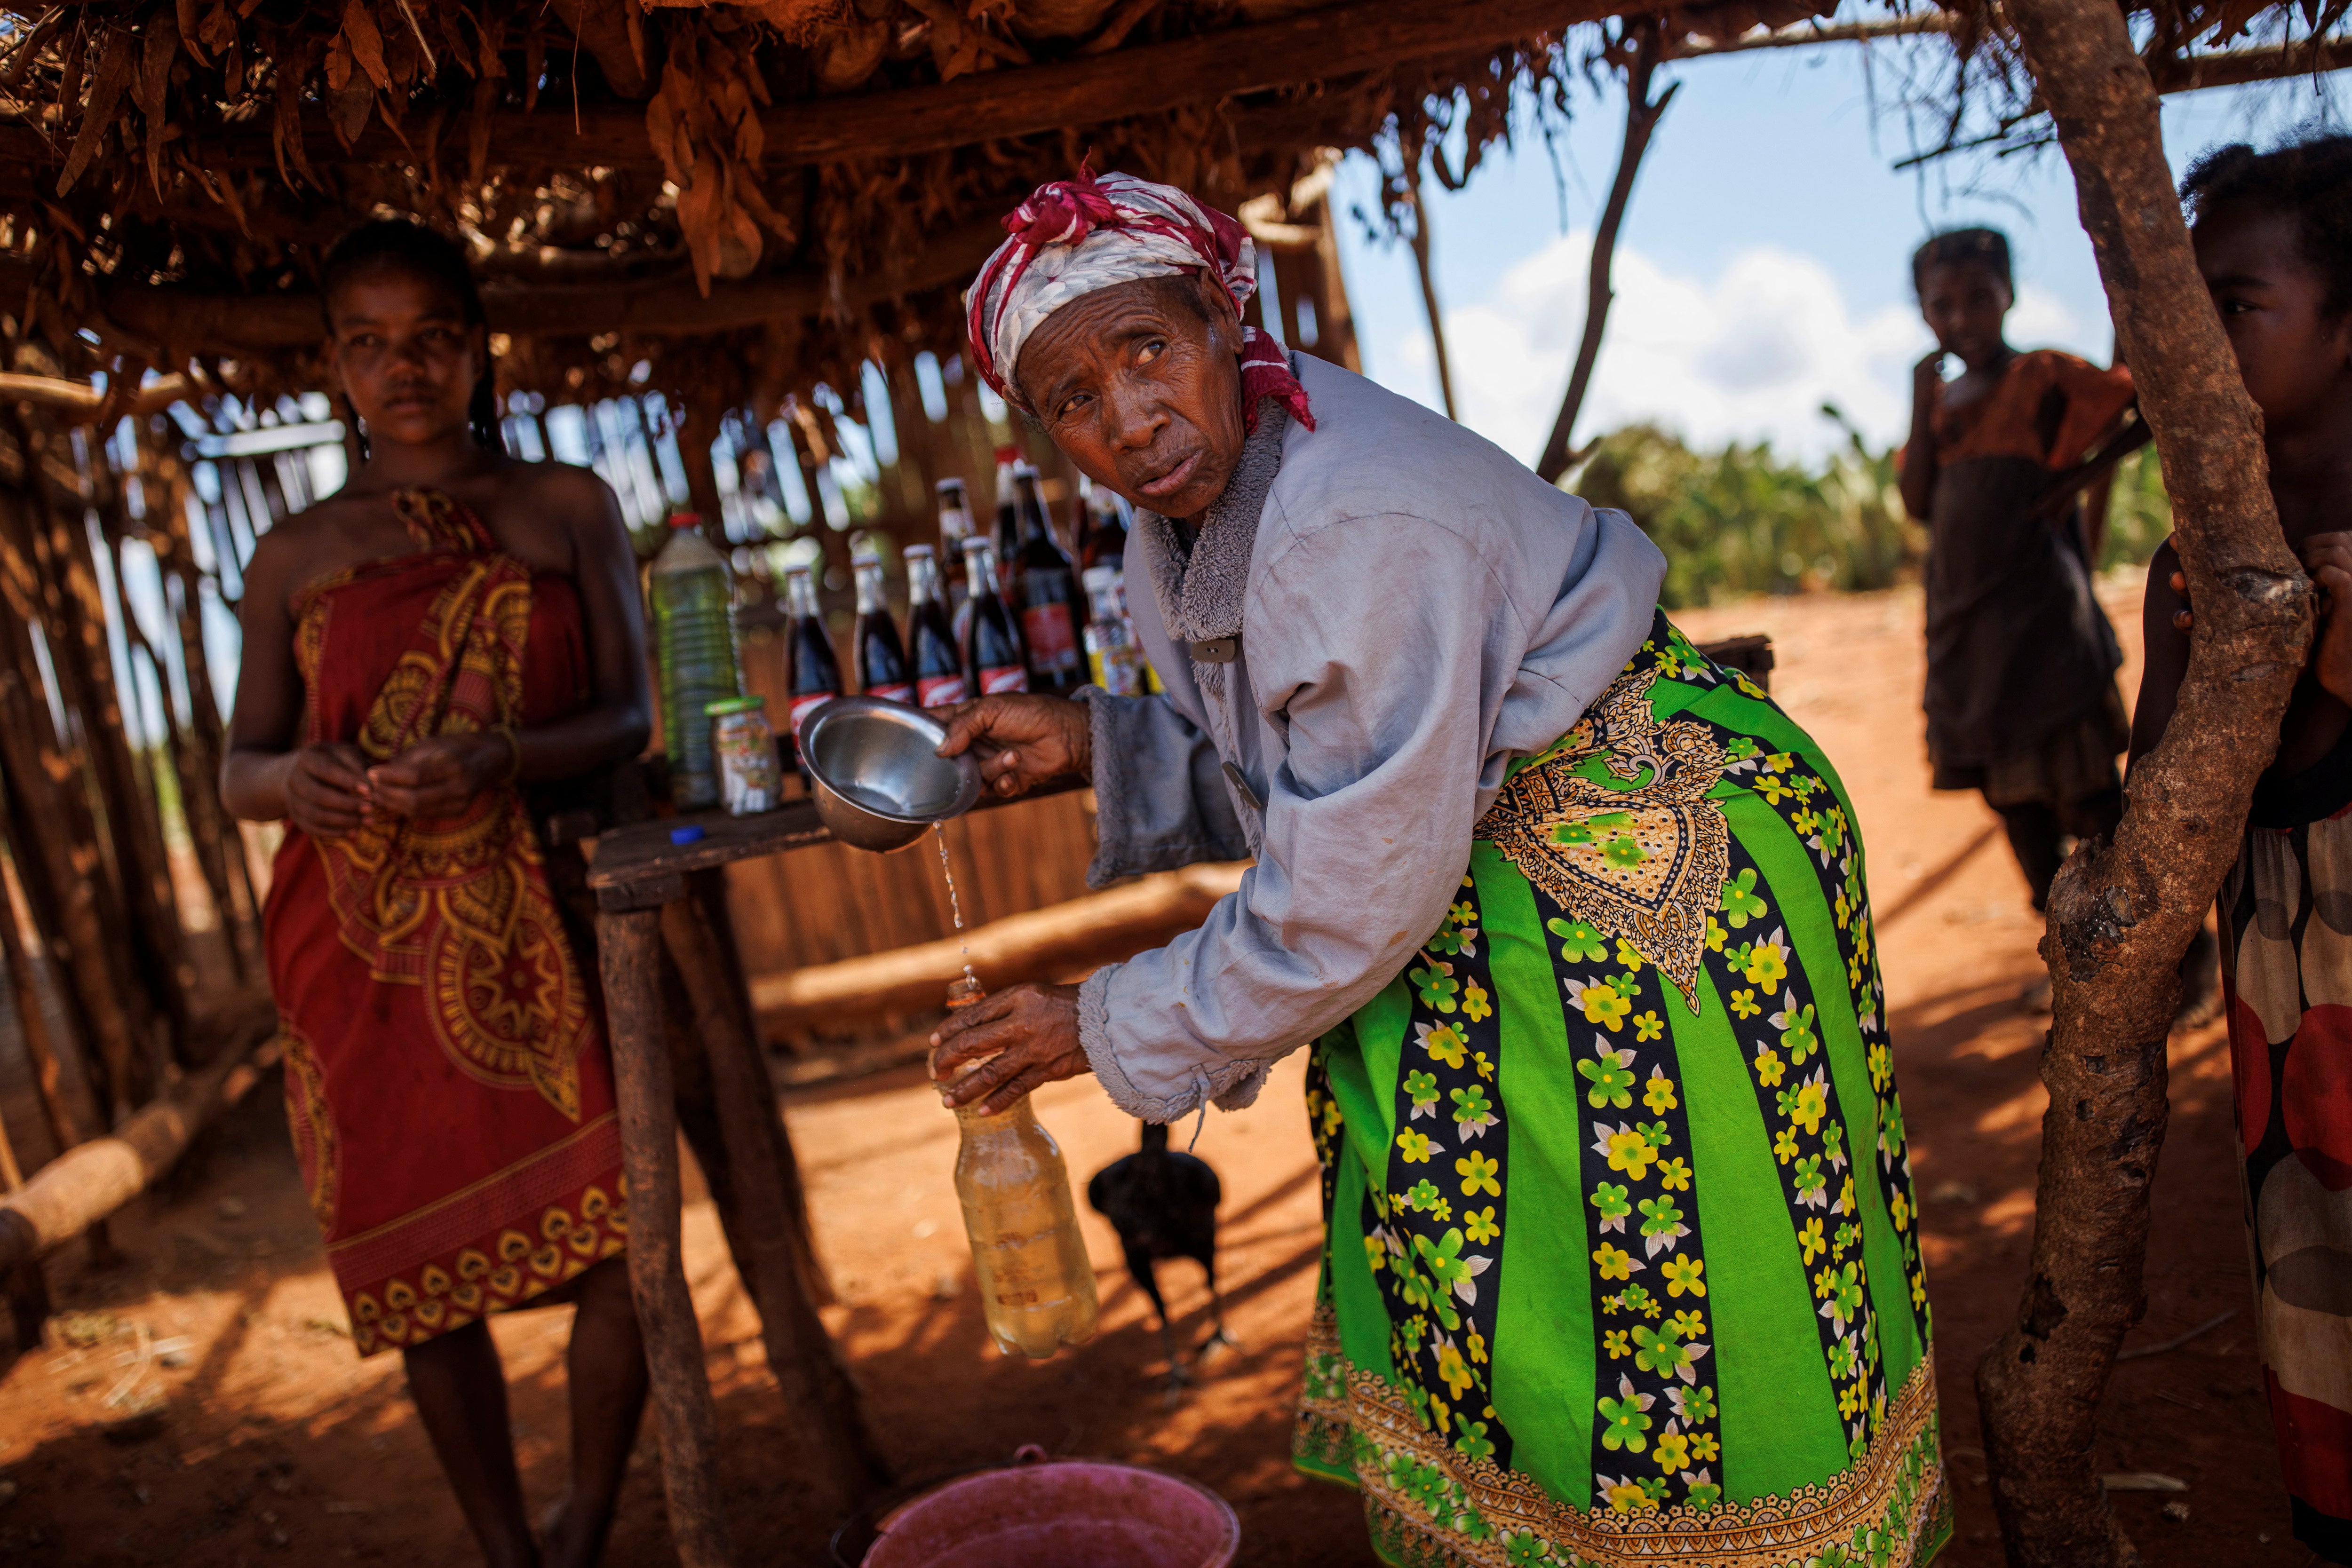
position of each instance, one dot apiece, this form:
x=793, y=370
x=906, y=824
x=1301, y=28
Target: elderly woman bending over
x=1621, y=1260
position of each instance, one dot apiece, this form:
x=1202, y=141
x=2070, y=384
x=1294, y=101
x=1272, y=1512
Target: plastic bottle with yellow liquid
x=1037, y=1287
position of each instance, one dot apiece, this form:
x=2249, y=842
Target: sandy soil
x=200, y=1405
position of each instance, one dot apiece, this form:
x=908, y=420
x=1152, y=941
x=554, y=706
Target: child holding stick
x=2273, y=234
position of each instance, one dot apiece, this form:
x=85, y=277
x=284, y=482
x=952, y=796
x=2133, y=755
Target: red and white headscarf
x=1073, y=237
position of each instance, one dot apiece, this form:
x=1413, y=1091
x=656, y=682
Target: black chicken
x=1164, y=1205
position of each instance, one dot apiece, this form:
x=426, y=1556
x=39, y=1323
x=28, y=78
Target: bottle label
x=899, y=692
x=1053, y=645
x=1003, y=678
x=939, y=691
x=801, y=707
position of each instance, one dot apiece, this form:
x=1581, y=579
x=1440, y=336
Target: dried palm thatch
x=739, y=199
x=752, y=198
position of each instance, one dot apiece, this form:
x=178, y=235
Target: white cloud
x=1750, y=355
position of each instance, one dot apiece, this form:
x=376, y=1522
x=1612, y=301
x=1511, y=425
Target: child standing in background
x=2020, y=696
x=2274, y=237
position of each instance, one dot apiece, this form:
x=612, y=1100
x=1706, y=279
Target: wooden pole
x=2122, y=912
x=629, y=944
x=1641, y=116
x=87, y=1183
x=807, y=1365
x=52, y=833
x=40, y=1050
x=84, y=666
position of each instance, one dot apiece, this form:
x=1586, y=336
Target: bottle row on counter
x=1010, y=613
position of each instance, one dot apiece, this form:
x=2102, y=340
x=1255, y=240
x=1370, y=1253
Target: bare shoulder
x=563, y=492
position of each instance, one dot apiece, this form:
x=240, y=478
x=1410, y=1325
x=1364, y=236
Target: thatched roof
x=747, y=198
x=752, y=197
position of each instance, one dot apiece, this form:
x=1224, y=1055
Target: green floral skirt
x=1623, y=1260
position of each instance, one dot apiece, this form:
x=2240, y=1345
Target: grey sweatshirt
x=1409, y=610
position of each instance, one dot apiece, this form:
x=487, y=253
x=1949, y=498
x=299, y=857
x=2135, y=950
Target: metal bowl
x=879, y=780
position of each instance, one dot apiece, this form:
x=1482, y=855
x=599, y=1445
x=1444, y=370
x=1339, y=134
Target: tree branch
x=1641, y=116
x=2122, y=912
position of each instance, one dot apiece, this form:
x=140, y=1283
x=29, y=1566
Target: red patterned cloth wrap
x=446, y=1076
x=1073, y=237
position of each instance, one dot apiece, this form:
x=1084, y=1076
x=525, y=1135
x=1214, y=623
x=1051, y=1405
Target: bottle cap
x=946, y=486
x=1098, y=578
x=690, y=835
x=913, y=551
x=976, y=544
x=865, y=555
x=793, y=571
x=686, y=519
x=964, y=988
x=1008, y=454
x=723, y=706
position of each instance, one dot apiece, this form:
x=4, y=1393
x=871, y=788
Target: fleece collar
x=1200, y=598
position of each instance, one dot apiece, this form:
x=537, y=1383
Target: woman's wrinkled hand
x=327, y=792
x=1023, y=1037
x=1023, y=741
x=438, y=779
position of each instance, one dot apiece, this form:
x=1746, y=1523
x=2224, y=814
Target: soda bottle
x=1105, y=542
x=938, y=666
x=881, y=657
x=1045, y=593
x=1036, y=1286
x=993, y=656
x=1113, y=660
x=1008, y=515
x=955, y=527
x=811, y=672
x=693, y=604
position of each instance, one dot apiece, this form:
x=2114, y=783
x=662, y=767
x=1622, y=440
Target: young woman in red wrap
x=450, y=635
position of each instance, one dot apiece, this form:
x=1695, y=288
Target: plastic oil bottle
x=1037, y=1287
x=692, y=596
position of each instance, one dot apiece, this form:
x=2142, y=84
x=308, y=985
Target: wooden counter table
x=644, y=907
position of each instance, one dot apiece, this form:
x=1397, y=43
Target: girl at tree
x=2274, y=235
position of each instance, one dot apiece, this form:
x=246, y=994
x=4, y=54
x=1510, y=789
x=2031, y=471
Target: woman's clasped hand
x=334, y=789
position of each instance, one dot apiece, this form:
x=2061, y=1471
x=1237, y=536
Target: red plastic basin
x=1061, y=1513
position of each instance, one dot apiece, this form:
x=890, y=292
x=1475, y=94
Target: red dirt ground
x=266, y=1440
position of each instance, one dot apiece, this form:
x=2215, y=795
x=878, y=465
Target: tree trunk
x=2122, y=912
x=1641, y=116
x=1424, y=264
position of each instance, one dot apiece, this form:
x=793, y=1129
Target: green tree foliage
x=1742, y=520
x=2140, y=514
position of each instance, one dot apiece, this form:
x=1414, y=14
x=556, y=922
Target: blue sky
x=1763, y=264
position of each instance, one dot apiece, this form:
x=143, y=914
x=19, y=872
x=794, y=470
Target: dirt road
x=263, y=1439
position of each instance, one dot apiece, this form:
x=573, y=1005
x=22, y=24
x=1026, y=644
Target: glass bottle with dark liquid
x=930, y=642
x=812, y=672
x=1036, y=1285
x=1105, y=543
x=1045, y=592
x=1008, y=515
x=880, y=657
x=993, y=660
x=955, y=527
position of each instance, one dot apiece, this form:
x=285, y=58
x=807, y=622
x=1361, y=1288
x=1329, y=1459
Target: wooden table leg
x=629, y=945
x=807, y=1364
